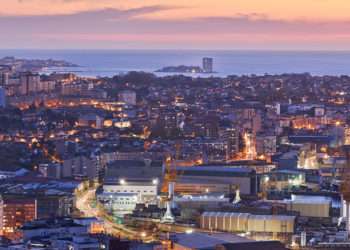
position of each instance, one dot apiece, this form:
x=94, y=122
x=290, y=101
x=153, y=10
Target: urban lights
x=266, y=179
x=155, y=181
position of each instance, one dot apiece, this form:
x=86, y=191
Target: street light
x=267, y=179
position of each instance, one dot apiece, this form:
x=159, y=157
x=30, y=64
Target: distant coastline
x=107, y=63
x=35, y=65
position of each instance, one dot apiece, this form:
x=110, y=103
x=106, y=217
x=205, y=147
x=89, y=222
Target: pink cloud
x=120, y=28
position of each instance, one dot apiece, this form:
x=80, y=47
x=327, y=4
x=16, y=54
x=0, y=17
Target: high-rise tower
x=208, y=64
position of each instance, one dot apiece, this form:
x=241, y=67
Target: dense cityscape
x=139, y=161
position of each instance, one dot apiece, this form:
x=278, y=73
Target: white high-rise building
x=208, y=64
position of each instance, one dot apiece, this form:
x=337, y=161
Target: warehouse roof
x=257, y=217
x=205, y=241
x=261, y=245
x=216, y=171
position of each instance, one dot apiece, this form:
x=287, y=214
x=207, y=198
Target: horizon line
x=180, y=49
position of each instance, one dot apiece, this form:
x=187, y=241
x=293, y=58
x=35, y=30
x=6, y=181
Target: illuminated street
x=83, y=203
x=143, y=125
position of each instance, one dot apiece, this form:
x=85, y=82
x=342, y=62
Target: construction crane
x=169, y=175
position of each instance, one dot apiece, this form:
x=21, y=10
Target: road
x=83, y=204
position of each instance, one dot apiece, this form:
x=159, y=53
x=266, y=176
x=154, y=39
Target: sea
x=102, y=63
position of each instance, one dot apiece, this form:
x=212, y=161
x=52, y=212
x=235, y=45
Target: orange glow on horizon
x=226, y=24
x=272, y=9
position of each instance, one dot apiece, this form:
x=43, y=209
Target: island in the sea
x=207, y=67
x=181, y=69
x=34, y=64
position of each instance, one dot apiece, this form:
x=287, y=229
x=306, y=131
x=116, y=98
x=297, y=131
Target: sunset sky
x=176, y=24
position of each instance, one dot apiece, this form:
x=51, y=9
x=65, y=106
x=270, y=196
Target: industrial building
x=309, y=206
x=197, y=187
x=128, y=169
x=199, y=201
x=282, y=179
x=245, y=222
x=130, y=182
x=219, y=241
x=118, y=202
x=146, y=190
x=219, y=179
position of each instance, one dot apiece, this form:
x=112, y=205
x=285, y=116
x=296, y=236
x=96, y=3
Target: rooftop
x=216, y=170
x=54, y=223
x=255, y=216
x=203, y=240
